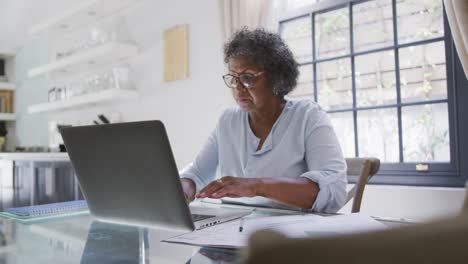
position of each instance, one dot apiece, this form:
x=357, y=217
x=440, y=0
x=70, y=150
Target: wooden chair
x=465, y=203
x=364, y=168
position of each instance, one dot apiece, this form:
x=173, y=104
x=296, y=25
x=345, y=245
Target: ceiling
x=17, y=16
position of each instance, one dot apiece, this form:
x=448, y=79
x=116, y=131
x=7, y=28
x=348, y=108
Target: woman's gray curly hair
x=267, y=51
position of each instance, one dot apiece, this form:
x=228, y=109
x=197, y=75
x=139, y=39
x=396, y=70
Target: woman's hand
x=189, y=189
x=297, y=192
x=229, y=186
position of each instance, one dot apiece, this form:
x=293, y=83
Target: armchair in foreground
x=440, y=242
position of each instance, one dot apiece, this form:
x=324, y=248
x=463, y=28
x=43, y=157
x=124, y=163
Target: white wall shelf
x=34, y=156
x=104, y=96
x=94, y=57
x=7, y=117
x=7, y=86
x=85, y=12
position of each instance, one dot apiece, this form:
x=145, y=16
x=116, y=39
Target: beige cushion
x=438, y=242
x=443, y=241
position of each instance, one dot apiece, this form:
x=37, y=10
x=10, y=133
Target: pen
x=241, y=224
x=104, y=119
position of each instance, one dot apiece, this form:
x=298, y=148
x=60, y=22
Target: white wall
x=413, y=203
x=31, y=130
x=17, y=16
x=11, y=128
x=190, y=108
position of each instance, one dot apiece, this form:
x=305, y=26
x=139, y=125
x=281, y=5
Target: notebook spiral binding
x=48, y=209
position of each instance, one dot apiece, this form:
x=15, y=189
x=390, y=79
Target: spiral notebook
x=46, y=210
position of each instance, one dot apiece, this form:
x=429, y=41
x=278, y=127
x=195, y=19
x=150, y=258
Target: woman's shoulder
x=305, y=106
x=307, y=112
x=230, y=114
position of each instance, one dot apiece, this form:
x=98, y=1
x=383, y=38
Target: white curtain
x=457, y=14
x=236, y=14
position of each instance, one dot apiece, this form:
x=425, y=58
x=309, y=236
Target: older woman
x=268, y=146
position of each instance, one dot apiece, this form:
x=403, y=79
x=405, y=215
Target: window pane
x=305, y=83
x=334, y=84
x=295, y=4
x=332, y=33
x=378, y=134
x=298, y=36
x=373, y=25
x=375, y=79
x=423, y=73
x=426, y=133
x=344, y=128
x=419, y=19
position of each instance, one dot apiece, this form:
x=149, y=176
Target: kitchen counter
x=36, y=178
x=34, y=156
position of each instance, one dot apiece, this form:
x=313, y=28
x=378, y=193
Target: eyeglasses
x=245, y=79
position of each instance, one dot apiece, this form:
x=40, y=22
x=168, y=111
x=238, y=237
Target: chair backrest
x=364, y=168
x=465, y=204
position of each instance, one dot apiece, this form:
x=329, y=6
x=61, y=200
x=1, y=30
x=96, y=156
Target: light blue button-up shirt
x=302, y=143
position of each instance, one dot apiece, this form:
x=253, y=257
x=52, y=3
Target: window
x=384, y=71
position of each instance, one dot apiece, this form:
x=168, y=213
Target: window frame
x=448, y=174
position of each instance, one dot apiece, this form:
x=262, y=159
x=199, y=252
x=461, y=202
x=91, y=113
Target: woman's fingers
x=225, y=192
x=212, y=187
x=238, y=187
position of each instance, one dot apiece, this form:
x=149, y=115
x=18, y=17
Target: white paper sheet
x=227, y=235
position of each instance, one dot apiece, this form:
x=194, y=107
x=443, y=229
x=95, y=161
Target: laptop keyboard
x=199, y=217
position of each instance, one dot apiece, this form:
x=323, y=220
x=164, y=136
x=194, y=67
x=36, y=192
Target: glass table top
x=82, y=239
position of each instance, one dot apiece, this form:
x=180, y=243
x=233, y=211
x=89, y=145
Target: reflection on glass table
x=81, y=239
x=110, y=243
x=217, y=255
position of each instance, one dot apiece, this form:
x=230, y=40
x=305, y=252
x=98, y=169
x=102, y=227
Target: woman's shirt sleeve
x=203, y=169
x=326, y=164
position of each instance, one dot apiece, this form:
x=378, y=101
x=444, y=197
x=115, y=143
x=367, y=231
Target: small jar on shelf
x=93, y=82
x=52, y=95
x=112, y=29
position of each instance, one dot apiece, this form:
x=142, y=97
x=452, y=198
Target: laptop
x=128, y=175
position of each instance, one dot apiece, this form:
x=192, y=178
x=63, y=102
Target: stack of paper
x=227, y=235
